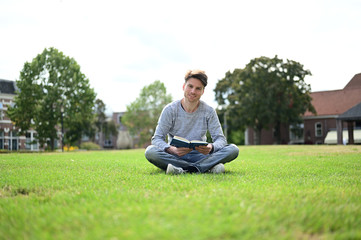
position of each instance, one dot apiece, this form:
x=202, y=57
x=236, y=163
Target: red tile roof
x=338, y=101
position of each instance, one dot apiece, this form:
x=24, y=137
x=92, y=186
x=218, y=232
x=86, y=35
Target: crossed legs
x=192, y=162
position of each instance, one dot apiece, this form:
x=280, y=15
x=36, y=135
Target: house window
x=35, y=141
x=108, y=143
x=318, y=129
x=28, y=141
x=296, y=133
x=13, y=141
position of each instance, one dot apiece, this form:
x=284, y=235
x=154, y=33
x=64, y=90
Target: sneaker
x=219, y=168
x=174, y=170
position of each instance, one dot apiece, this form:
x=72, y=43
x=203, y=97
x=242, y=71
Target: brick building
x=322, y=127
x=9, y=137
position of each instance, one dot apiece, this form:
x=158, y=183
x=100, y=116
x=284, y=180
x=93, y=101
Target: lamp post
x=62, y=128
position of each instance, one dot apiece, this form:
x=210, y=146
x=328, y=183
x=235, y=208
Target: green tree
x=100, y=124
x=142, y=115
x=232, y=130
x=52, y=88
x=110, y=129
x=98, y=121
x=100, y=117
x=268, y=92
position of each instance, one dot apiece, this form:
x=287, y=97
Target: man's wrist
x=212, y=150
x=169, y=150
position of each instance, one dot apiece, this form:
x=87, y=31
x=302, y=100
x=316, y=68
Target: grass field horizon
x=268, y=192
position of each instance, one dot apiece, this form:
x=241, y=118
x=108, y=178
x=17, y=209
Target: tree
x=100, y=117
x=106, y=128
x=142, y=115
x=232, y=130
x=98, y=121
x=100, y=124
x=52, y=88
x=268, y=92
x=110, y=129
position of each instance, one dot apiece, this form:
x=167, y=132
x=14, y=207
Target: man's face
x=193, y=90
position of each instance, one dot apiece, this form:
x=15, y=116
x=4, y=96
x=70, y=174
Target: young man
x=190, y=118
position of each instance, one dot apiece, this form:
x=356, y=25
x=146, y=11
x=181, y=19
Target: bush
x=89, y=146
x=70, y=148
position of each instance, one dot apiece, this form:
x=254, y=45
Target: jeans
x=193, y=161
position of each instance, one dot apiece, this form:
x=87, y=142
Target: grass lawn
x=269, y=192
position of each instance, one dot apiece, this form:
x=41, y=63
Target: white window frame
x=318, y=129
x=293, y=137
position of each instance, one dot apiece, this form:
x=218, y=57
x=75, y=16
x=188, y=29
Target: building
x=124, y=140
x=9, y=136
x=10, y=139
x=330, y=105
x=322, y=127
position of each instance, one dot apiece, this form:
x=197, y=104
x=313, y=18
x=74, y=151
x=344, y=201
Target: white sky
x=122, y=46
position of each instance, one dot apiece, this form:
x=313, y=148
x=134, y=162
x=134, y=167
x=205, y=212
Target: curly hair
x=198, y=74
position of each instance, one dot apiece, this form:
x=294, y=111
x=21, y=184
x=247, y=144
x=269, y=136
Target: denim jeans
x=193, y=161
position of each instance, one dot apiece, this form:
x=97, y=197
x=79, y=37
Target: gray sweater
x=175, y=121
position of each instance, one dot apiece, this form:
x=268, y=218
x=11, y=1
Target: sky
x=123, y=46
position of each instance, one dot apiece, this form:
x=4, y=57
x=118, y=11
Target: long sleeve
x=215, y=129
x=175, y=121
x=163, y=128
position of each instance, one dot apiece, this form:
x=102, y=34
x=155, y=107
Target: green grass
x=273, y=192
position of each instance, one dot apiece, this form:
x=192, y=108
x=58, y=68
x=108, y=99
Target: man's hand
x=178, y=151
x=205, y=149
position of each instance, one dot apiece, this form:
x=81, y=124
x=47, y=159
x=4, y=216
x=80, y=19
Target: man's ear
x=184, y=85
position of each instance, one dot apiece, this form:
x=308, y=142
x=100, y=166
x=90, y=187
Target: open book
x=182, y=142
